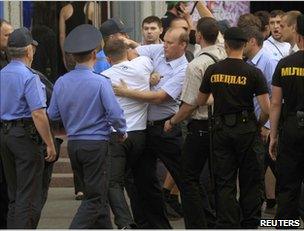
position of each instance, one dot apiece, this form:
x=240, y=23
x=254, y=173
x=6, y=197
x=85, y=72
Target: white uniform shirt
x=277, y=50
x=136, y=74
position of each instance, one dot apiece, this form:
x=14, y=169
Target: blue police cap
x=82, y=38
x=21, y=37
x=235, y=33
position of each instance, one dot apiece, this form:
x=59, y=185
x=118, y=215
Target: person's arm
x=202, y=98
x=275, y=113
x=155, y=97
x=203, y=10
x=43, y=127
x=183, y=113
x=114, y=112
x=264, y=103
x=53, y=110
x=62, y=34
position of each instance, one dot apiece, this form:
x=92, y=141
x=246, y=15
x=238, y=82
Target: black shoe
x=270, y=203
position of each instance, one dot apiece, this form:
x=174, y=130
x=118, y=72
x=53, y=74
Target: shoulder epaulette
x=101, y=75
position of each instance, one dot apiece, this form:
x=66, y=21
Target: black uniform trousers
x=238, y=149
x=196, y=206
x=89, y=159
x=166, y=147
x=290, y=168
x=3, y=199
x=23, y=165
x=123, y=156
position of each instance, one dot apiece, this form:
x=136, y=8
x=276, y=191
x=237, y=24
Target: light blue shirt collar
x=257, y=57
x=83, y=67
x=174, y=63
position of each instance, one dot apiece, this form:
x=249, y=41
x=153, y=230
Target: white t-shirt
x=277, y=50
x=136, y=74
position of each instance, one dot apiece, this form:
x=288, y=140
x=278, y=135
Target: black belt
x=158, y=122
x=18, y=122
x=198, y=124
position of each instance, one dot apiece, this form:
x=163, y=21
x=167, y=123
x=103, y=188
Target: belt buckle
x=151, y=123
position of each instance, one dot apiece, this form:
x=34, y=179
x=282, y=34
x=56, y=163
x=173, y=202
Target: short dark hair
x=115, y=48
x=235, y=44
x=83, y=56
x=253, y=32
x=209, y=29
x=264, y=16
x=248, y=19
x=276, y=13
x=152, y=19
x=3, y=21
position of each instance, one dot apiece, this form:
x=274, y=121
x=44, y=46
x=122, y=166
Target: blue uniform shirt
x=172, y=78
x=102, y=64
x=86, y=103
x=263, y=61
x=21, y=91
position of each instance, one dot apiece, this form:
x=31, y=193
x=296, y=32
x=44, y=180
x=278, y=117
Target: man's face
x=151, y=32
x=5, y=30
x=286, y=31
x=249, y=47
x=274, y=24
x=173, y=48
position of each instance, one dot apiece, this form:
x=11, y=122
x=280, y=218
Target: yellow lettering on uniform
x=293, y=71
x=285, y=71
x=221, y=80
x=233, y=78
x=244, y=80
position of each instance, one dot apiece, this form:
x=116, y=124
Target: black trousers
x=195, y=199
x=23, y=165
x=166, y=147
x=238, y=149
x=290, y=168
x=89, y=158
x=3, y=198
x=123, y=156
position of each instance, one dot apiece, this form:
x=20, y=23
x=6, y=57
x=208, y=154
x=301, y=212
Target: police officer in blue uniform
x=24, y=126
x=288, y=85
x=237, y=146
x=88, y=108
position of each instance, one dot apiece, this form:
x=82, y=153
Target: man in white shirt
x=274, y=44
x=135, y=73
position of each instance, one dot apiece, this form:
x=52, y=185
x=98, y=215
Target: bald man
x=170, y=62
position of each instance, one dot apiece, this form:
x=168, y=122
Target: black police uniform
x=237, y=147
x=289, y=76
x=3, y=187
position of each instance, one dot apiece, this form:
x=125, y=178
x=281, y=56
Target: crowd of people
x=219, y=106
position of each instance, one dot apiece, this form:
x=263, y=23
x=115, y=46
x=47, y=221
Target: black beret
x=21, y=37
x=300, y=24
x=235, y=33
x=82, y=38
x=113, y=26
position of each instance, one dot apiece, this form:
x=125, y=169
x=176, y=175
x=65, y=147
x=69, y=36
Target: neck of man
x=113, y=62
x=300, y=43
x=158, y=41
x=24, y=60
x=204, y=44
x=235, y=54
x=89, y=63
x=254, y=52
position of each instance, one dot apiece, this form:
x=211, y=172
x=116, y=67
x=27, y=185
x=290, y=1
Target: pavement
x=61, y=207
